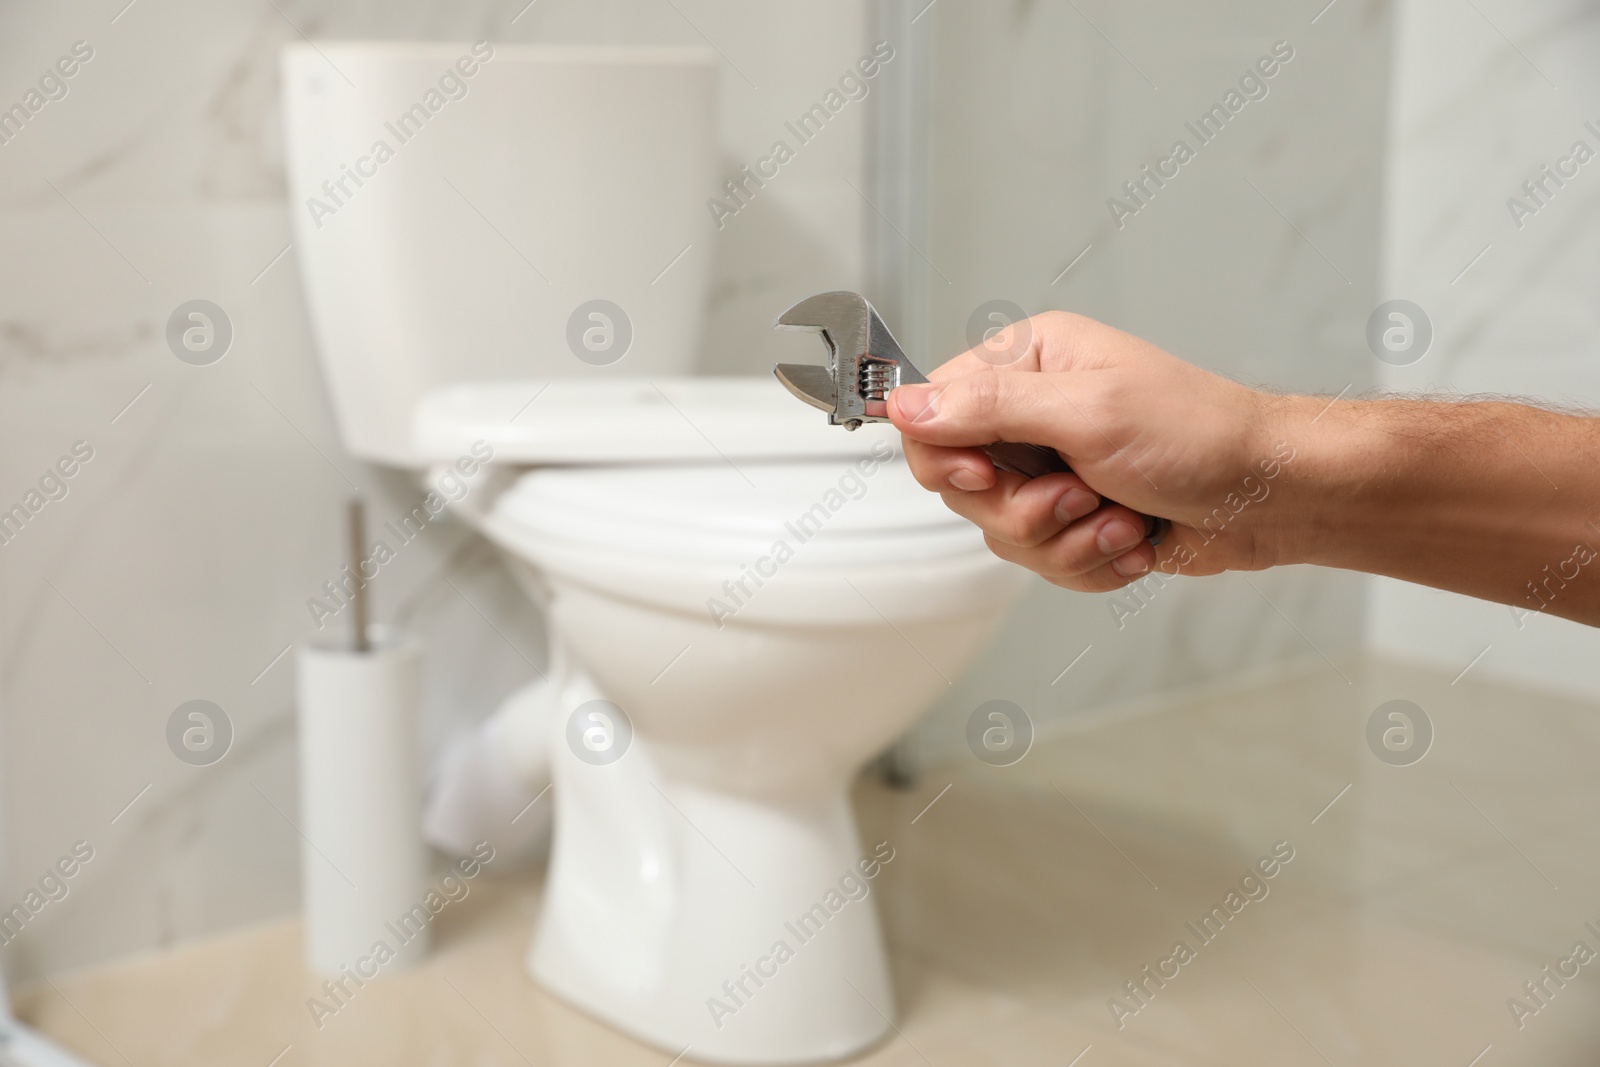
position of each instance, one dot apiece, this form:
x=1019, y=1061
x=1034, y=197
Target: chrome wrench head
x=865, y=362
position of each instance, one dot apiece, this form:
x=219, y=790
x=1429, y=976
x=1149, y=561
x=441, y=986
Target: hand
x=1138, y=426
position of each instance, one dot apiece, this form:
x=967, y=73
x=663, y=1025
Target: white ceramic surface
x=727, y=816
x=683, y=864
x=545, y=179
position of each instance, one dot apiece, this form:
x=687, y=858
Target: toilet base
x=716, y=927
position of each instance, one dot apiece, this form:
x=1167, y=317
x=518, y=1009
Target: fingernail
x=1074, y=504
x=967, y=481
x=918, y=403
x=1117, y=536
x=1130, y=566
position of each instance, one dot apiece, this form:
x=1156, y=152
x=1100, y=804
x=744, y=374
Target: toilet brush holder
x=363, y=860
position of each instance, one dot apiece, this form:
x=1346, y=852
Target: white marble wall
x=179, y=563
x=1042, y=112
x=1483, y=100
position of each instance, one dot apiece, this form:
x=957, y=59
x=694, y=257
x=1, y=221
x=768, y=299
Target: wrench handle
x=1031, y=461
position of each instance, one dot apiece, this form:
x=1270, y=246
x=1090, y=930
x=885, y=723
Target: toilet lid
x=829, y=513
x=628, y=420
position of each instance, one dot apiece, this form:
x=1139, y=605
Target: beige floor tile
x=1238, y=767
x=1534, y=894
x=1026, y=893
x=1310, y=984
x=936, y=1005
x=1021, y=899
x=1053, y=1040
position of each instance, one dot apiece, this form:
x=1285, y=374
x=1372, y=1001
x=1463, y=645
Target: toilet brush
x=363, y=860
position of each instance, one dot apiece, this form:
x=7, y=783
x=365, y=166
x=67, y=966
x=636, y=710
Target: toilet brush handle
x=355, y=517
x=1031, y=461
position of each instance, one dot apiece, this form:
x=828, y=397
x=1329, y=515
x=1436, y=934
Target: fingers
x=1105, y=550
x=1026, y=512
x=1054, y=525
x=1105, y=579
x=943, y=469
x=989, y=406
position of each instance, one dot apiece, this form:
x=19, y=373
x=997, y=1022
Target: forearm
x=1496, y=500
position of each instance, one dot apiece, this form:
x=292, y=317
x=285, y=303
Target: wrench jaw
x=865, y=362
x=810, y=383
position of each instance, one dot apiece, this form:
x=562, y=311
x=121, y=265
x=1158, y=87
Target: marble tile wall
x=1261, y=261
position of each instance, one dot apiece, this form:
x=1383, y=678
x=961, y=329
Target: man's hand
x=1139, y=427
x=1494, y=499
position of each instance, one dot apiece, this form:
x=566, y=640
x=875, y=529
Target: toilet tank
x=458, y=207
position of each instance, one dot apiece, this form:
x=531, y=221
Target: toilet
x=744, y=604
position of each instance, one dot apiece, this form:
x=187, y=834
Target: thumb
x=989, y=406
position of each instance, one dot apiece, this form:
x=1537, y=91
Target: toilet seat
x=664, y=492
x=896, y=553
x=840, y=512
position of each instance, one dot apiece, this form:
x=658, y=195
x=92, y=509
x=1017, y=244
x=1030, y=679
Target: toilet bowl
x=679, y=869
x=744, y=604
